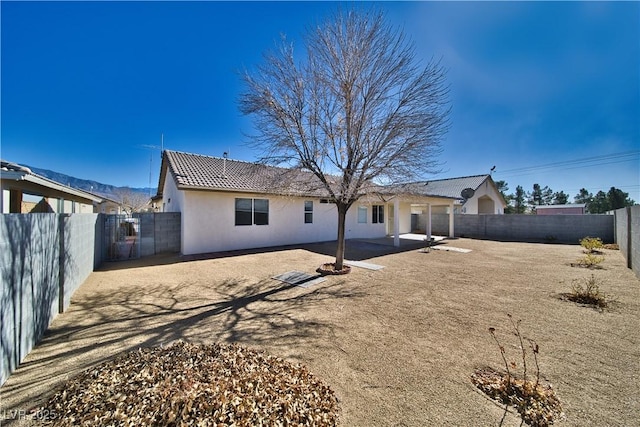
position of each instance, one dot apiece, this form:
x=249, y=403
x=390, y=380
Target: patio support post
x=428, y=227
x=396, y=222
x=451, y=225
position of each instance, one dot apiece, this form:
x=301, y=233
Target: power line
x=584, y=162
x=525, y=172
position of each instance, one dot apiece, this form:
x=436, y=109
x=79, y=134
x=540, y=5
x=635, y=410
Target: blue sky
x=88, y=86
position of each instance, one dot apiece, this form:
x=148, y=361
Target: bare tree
x=131, y=201
x=358, y=110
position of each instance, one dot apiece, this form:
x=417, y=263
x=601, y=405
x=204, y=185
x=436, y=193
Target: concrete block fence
x=45, y=258
x=527, y=228
x=627, y=235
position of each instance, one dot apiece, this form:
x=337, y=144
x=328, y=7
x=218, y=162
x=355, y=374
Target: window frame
x=251, y=213
x=363, y=214
x=377, y=214
x=261, y=217
x=308, y=211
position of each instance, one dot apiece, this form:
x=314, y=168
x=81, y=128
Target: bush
x=186, y=384
x=591, y=244
x=537, y=403
x=588, y=292
x=590, y=261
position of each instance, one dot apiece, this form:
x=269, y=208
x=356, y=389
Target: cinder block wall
x=627, y=235
x=45, y=258
x=635, y=239
x=554, y=228
x=80, y=257
x=159, y=232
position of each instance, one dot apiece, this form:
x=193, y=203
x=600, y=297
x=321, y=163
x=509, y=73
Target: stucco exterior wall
x=405, y=218
x=474, y=204
x=172, y=199
x=208, y=221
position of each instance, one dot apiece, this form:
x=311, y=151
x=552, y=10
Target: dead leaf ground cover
x=398, y=345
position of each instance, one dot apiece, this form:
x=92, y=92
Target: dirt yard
x=397, y=345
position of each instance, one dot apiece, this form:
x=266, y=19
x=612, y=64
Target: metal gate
x=122, y=237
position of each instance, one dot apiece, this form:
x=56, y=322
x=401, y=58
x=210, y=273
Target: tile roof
x=195, y=171
x=449, y=187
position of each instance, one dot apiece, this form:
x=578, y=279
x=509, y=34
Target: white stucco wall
x=369, y=230
x=208, y=221
x=172, y=199
x=485, y=189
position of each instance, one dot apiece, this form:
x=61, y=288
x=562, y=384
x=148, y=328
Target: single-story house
x=229, y=204
x=477, y=194
x=16, y=181
x=568, y=209
x=108, y=206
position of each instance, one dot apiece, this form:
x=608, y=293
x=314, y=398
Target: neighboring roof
x=568, y=205
x=200, y=172
x=21, y=177
x=449, y=187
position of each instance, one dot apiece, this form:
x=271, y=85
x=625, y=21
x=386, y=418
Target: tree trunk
x=342, y=213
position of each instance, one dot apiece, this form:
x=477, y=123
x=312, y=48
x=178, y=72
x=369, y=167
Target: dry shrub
x=590, y=261
x=537, y=403
x=587, y=291
x=186, y=384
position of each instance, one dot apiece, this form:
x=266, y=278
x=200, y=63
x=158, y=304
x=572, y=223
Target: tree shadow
x=266, y=314
x=29, y=283
x=356, y=250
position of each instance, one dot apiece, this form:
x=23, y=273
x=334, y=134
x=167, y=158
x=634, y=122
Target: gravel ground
x=397, y=345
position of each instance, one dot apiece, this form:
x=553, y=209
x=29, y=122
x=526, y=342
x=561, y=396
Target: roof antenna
x=224, y=164
x=492, y=169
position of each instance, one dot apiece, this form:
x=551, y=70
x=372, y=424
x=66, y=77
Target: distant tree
x=583, y=196
x=131, y=201
x=547, y=196
x=599, y=203
x=357, y=109
x=540, y=196
x=560, y=198
x=503, y=187
x=618, y=199
x=518, y=198
x=535, y=196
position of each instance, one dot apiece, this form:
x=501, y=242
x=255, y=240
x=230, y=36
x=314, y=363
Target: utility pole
x=151, y=148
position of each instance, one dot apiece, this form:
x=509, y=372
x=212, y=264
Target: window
x=308, y=212
x=243, y=212
x=377, y=214
x=362, y=214
x=261, y=212
x=252, y=211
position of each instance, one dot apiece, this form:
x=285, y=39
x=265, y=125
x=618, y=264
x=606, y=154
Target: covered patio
x=402, y=206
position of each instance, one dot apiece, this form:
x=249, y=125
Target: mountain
x=94, y=187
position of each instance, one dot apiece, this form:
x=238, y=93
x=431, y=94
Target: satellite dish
x=467, y=193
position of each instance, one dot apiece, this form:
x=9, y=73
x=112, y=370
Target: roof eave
x=50, y=184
